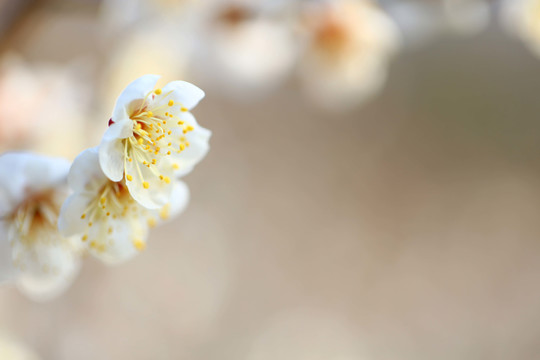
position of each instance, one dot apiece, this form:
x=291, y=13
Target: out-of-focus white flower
x=112, y=225
x=153, y=137
x=522, y=18
x=32, y=251
x=37, y=98
x=244, y=47
x=422, y=20
x=346, y=59
x=13, y=350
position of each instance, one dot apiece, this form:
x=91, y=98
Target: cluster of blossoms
x=105, y=203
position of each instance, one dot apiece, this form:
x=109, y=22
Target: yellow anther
x=154, y=161
x=140, y=141
x=84, y=238
x=158, y=91
x=180, y=122
x=183, y=109
x=176, y=166
x=169, y=144
x=145, y=185
x=168, y=153
x=190, y=128
x=152, y=222
x=108, y=213
x=139, y=244
x=171, y=103
x=150, y=114
x=167, y=180
x=83, y=216
x=90, y=223
x=102, y=200
x=110, y=230
x=130, y=159
x=129, y=177
x=151, y=126
x=164, y=213
x=182, y=147
x=93, y=244
x=160, y=177
x=169, y=133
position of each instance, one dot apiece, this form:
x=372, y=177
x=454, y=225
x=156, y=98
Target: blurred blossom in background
x=372, y=192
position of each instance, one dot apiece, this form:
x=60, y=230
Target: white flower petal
x=70, y=221
x=111, y=150
x=49, y=269
x=198, y=147
x=134, y=91
x=121, y=245
x=7, y=271
x=21, y=173
x=157, y=192
x=179, y=199
x=84, y=175
x=184, y=93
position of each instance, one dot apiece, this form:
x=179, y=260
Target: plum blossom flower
x=521, y=18
x=246, y=47
x=32, y=252
x=348, y=51
x=153, y=137
x=108, y=221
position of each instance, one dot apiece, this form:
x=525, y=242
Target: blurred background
x=372, y=190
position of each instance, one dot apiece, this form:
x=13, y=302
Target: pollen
x=83, y=216
x=84, y=238
x=167, y=180
x=171, y=102
x=150, y=114
x=139, y=244
x=152, y=222
x=145, y=185
x=183, y=109
x=129, y=177
x=141, y=140
x=102, y=200
x=158, y=91
x=176, y=166
x=180, y=122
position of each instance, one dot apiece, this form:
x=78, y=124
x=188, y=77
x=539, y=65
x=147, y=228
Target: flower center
x=39, y=213
x=158, y=131
x=112, y=201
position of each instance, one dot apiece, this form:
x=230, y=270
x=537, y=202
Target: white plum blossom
x=153, y=138
x=32, y=252
x=349, y=48
x=522, y=18
x=108, y=221
x=245, y=47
